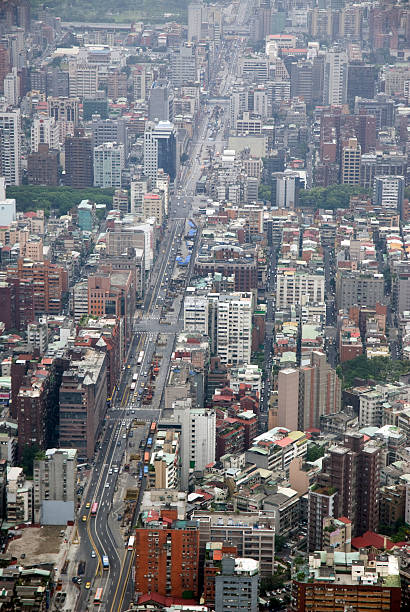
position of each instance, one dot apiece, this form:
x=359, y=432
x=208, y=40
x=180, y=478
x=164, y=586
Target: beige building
x=153, y=206
x=351, y=157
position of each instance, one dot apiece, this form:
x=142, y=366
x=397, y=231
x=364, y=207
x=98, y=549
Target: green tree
x=30, y=452
x=334, y=196
x=314, y=452
x=381, y=369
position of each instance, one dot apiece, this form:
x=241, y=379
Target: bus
x=105, y=562
x=94, y=509
x=132, y=386
x=140, y=358
x=131, y=541
x=146, y=457
x=98, y=596
x=153, y=427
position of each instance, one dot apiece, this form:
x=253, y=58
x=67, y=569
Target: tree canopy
x=59, y=199
x=381, y=369
x=334, y=196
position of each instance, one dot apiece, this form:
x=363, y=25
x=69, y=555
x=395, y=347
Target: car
x=110, y=471
x=93, y=554
x=88, y=505
x=79, y=580
x=128, y=366
x=115, y=470
x=107, y=484
x=87, y=585
x=124, y=437
x=84, y=518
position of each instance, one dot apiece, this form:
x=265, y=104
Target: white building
x=195, y=11
x=109, y=162
x=139, y=187
x=297, y=287
x=388, y=192
x=10, y=146
x=234, y=328
x=248, y=374
x=55, y=486
x=196, y=314
x=160, y=150
x=12, y=88
x=197, y=442
x=7, y=205
x=335, y=77
x=45, y=130
x=83, y=79
x=19, y=497
x=183, y=65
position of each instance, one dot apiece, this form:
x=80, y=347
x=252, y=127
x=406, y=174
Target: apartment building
x=10, y=151
x=166, y=555
x=109, y=162
x=196, y=314
x=351, y=160
x=234, y=328
x=164, y=466
x=44, y=130
x=55, y=487
x=252, y=533
x=237, y=586
x=298, y=287
x=358, y=288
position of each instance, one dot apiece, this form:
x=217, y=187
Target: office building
x=44, y=130
x=166, y=555
x=65, y=111
x=214, y=553
x=10, y=146
x=307, y=393
x=285, y=189
x=402, y=286
x=388, y=192
x=164, y=469
x=42, y=166
x=120, y=201
x=184, y=65
x=237, y=586
x=160, y=104
x=335, y=77
x=83, y=79
x=361, y=81
x=79, y=160
x=351, y=160
x=348, y=581
x=55, y=487
x=109, y=162
x=195, y=12
x=160, y=150
x=4, y=65
x=141, y=83
x=109, y=130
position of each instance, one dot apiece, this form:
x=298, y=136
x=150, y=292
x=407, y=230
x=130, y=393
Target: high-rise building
x=42, y=166
x=55, y=487
x=44, y=130
x=237, y=586
x=402, y=285
x=358, y=288
x=285, y=186
x=83, y=79
x=11, y=87
x=79, y=160
x=195, y=11
x=10, y=146
x=351, y=158
x=184, y=66
x=197, y=442
x=160, y=105
x=234, y=327
x=307, y=393
x=140, y=81
x=335, y=77
x=388, y=192
x=109, y=162
x=65, y=112
x=139, y=187
x=160, y=150
x=299, y=287
x=196, y=314
x=167, y=556
x=353, y=470
x=361, y=81
x=4, y=65
x=153, y=206
x=109, y=130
